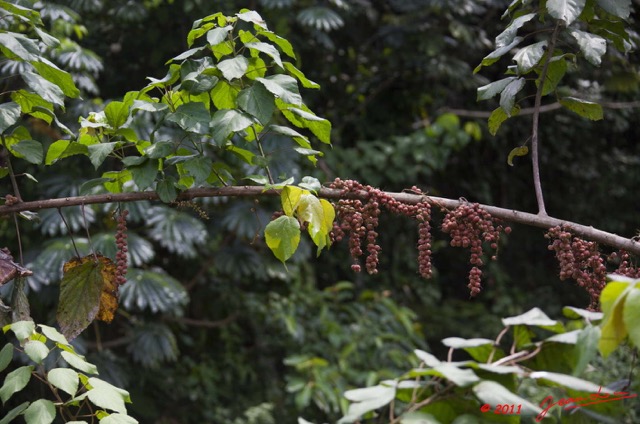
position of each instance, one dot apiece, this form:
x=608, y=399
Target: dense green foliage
x=211, y=326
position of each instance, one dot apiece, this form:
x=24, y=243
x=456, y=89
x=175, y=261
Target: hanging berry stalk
x=121, y=245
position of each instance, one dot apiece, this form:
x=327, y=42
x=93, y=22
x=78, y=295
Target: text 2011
x=505, y=409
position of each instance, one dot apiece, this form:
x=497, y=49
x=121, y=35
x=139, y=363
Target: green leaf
x=99, y=152
x=555, y=72
x=631, y=315
x=29, y=101
x=15, y=45
x=6, y=356
x=118, y=419
x=49, y=91
x=191, y=117
x=366, y=400
x=219, y=34
x=225, y=95
x=619, y=8
x=64, y=379
x=592, y=46
x=490, y=90
x=614, y=330
x=496, y=394
x=78, y=362
x=30, y=150
x=15, y=381
x=227, y=121
x=144, y=174
x=257, y=101
x=566, y=10
x=304, y=118
x=576, y=313
x=252, y=17
x=159, y=149
x=584, y=108
x=569, y=381
x=311, y=184
x=166, y=189
x=460, y=377
x=107, y=396
x=117, y=114
x=509, y=34
x=199, y=168
x=257, y=68
x=9, y=115
x=283, y=236
x=517, y=151
x=495, y=55
x=306, y=83
x=283, y=87
x=267, y=49
x=42, y=411
x=234, y=67
x=36, y=350
x=586, y=348
x=528, y=57
x=508, y=95
x=64, y=148
x=15, y=412
x=22, y=329
x=420, y=418
x=283, y=43
x=57, y=76
x=533, y=317
x=80, y=290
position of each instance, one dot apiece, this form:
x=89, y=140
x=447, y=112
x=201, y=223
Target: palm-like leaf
x=51, y=222
x=153, y=343
x=153, y=290
x=320, y=18
x=140, y=251
x=47, y=266
x=276, y=4
x=177, y=231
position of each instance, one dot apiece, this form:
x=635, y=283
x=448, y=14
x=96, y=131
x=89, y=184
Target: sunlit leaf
x=584, y=108
x=517, y=151
x=283, y=236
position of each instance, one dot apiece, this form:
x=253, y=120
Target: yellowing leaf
x=283, y=236
x=517, y=151
x=290, y=197
x=87, y=291
x=612, y=302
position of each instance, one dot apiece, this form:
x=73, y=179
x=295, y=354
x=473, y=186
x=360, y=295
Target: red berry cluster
x=579, y=260
x=469, y=226
x=359, y=220
x=624, y=267
x=121, y=245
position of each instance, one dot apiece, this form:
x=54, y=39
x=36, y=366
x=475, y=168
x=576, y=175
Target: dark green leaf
x=619, y=8
x=15, y=412
x=99, y=152
x=9, y=115
x=49, y=91
x=57, y=76
x=227, y=121
x=199, y=168
x=160, y=149
x=508, y=95
x=6, y=355
x=154, y=291
x=191, y=117
x=30, y=150
x=586, y=348
x=257, y=101
x=584, y=108
x=144, y=174
x=166, y=189
x=555, y=72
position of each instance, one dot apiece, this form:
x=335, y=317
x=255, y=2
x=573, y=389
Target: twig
x=12, y=175
x=533, y=220
x=204, y=323
x=535, y=143
x=69, y=230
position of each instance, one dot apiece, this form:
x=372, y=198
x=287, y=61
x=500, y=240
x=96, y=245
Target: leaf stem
x=266, y=167
x=535, y=143
x=12, y=175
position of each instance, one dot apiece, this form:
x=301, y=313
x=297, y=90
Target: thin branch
x=12, y=175
x=535, y=143
x=204, y=323
x=533, y=220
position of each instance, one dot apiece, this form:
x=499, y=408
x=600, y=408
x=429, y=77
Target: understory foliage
x=190, y=282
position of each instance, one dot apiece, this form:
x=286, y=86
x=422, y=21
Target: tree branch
x=510, y=215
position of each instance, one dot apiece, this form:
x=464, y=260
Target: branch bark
x=534, y=220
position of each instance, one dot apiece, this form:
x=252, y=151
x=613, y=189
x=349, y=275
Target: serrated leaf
x=42, y=411
x=528, y=57
x=15, y=381
x=191, y=117
x=78, y=362
x=283, y=236
x=9, y=115
x=47, y=90
x=517, y=151
x=6, y=356
x=508, y=95
x=64, y=379
x=555, y=72
x=584, y=108
x=227, y=121
x=36, y=350
x=117, y=114
x=86, y=292
x=283, y=87
x=234, y=67
x=257, y=101
x=591, y=45
x=619, y=8
x=15, y=45
x=490, y=90
x=29, y=150
x=566, y=10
